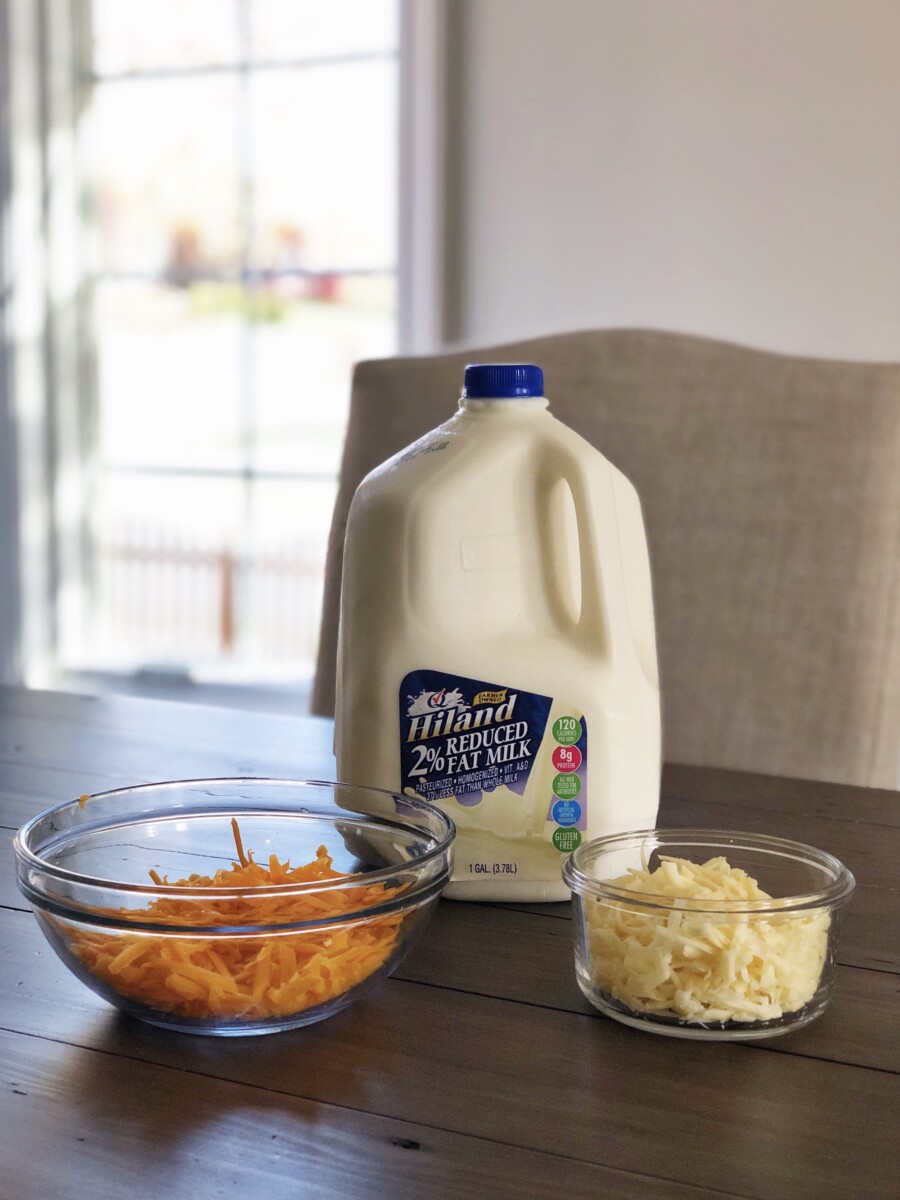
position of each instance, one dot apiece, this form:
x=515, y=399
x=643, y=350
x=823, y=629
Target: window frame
x=48, y=408
x=426, y=68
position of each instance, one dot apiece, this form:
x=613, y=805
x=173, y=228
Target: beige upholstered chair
x=771, y=492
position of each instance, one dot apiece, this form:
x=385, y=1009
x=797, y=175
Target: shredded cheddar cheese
x=707, y=967
x=82, y=800
x=247, y=977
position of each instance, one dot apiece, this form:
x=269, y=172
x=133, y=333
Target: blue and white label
x=566, y=812
x=464, y=737
x=491, y=755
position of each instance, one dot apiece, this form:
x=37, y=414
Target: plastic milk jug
x=497, y=655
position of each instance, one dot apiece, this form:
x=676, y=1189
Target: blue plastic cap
x=502, y=381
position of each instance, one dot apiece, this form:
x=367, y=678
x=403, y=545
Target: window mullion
x=247, y=399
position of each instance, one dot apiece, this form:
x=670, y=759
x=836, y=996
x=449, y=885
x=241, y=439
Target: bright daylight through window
x=239, y=167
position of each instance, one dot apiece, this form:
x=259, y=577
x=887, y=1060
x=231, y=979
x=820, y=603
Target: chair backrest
x=771, y=493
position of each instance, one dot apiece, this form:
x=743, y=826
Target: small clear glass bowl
x=707, y=969
x=232, y=960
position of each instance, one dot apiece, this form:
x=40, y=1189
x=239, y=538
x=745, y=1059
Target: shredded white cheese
x=740, y=966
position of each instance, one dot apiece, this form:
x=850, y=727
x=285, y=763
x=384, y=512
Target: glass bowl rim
x=838, y=892
x=28, y=857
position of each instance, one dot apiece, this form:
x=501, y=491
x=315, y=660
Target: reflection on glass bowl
x=234, y=906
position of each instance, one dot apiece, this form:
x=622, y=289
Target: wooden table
x=478, y=1070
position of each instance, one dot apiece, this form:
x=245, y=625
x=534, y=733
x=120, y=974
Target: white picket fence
x=161, y=596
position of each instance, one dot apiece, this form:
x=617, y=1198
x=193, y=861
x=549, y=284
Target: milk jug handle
x=594, y=619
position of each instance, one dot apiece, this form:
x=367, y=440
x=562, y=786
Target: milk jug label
x=509, y=766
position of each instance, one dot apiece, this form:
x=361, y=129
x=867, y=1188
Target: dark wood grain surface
x=478, y=1070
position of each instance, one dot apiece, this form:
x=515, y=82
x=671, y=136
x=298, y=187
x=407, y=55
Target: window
x=238, y=165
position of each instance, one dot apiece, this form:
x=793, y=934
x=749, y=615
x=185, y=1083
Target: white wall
x=724, y=167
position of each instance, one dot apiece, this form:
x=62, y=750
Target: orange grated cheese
x=247, y=977
x=82, y=800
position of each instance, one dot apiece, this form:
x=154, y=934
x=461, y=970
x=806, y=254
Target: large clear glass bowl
x=223, y=959
x=710, y=969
